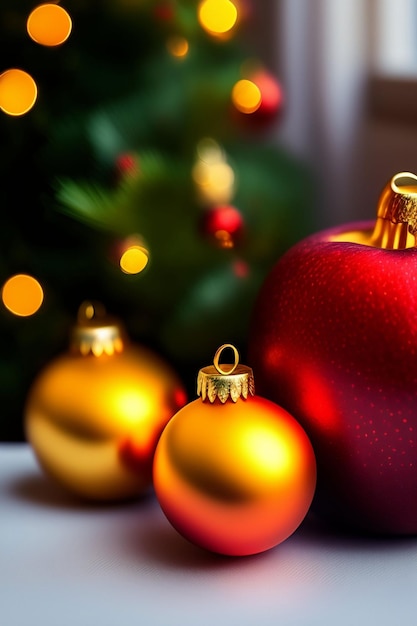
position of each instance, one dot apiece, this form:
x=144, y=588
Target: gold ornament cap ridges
x=96, y=333
x=225, y=381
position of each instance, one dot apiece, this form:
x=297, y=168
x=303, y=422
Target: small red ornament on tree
x=224, y=225
x=126, y=164
x=333, y=339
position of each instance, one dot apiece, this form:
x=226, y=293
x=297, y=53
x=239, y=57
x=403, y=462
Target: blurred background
x=159, y=156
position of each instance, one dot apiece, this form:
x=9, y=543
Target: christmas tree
x=143, y=177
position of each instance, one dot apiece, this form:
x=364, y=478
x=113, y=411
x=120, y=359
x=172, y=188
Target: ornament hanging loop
x=96, y=333
x=232, y=381
x=217, y=357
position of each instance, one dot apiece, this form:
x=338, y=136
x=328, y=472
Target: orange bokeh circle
x=18, y=92
x=22, y=295
x=49, y=25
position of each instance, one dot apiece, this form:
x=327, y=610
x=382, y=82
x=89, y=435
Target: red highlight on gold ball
x=49, y=25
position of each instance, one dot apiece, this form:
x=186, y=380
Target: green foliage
x=113, y=88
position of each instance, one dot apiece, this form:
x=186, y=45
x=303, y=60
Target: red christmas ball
x=271, y=94
x=333, y=339
x=224, y=225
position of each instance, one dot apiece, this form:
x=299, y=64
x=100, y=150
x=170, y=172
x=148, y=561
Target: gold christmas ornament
x=233, y=472
x=94, y=415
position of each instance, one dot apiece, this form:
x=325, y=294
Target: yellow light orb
x=49, y=25
x=18, y=92
x=178, y=47
x=217, y=17
x=246, y=96
x=22, y=295
x=215, y=182
x=221, y=176
x=209, y=151
x=134, y=260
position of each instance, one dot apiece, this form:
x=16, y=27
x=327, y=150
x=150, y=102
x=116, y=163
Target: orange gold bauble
x=94, y=414
x=233, y=472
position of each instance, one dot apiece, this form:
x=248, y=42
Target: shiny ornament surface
x=94, y=414
x=333, y=339
x=235, y=477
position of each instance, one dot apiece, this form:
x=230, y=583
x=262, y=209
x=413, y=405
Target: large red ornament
x=333, y=339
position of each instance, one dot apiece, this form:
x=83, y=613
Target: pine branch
x=95, y=206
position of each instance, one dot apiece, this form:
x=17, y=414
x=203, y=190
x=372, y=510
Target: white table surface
x=63, y=563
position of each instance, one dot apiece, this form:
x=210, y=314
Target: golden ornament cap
x=396, y=224
x=96, y=333
x=225, y=381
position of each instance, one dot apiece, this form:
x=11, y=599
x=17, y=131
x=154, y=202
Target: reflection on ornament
x=49, y=25
x=94, y=415
x=22, y=295
x=178, y=47
x=234, y=473
x=217, y=17
x=224, y=239
x=246, y=96
x=18, y=92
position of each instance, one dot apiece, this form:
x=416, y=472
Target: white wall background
x=328, y=56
